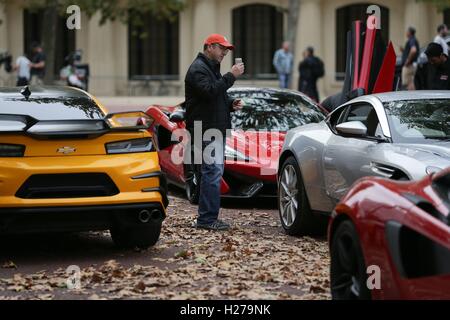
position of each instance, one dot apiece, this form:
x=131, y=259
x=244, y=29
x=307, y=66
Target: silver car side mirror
x=356, y=128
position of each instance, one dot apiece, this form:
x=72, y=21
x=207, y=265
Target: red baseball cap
x=220, y=39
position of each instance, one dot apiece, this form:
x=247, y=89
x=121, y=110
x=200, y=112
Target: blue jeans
x=284, y=80
x=211, y=177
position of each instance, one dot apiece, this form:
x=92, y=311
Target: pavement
x=254, y=260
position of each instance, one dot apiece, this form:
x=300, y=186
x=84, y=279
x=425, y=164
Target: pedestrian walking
x=409, y=57
x=22, y=67
x=37, y=64
x=283, y=61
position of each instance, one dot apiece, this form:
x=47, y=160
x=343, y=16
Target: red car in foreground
x=252, y=150
x=391, y=240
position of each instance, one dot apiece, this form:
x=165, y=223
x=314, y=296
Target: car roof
x=50, y=103
x=44, y=91
x=412, y=95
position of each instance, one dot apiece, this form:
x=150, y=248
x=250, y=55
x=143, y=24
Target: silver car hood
x=422, y=156
x=424, y=151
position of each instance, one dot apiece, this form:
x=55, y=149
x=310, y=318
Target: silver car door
x=347, y=158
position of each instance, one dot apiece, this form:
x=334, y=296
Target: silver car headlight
x=432, y=170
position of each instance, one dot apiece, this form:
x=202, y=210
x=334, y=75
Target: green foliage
x=440, y=4
x=126, y=11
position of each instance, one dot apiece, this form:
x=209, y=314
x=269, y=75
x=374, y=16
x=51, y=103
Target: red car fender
x=370, y=204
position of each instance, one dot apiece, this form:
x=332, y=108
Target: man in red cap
x=208, y=105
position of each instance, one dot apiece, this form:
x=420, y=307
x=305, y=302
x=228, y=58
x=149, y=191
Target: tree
x=126, y=11
x=293, y=12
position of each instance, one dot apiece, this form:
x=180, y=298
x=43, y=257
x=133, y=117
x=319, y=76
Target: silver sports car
x=397, y=135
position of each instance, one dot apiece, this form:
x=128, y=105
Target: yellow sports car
x=68, y=165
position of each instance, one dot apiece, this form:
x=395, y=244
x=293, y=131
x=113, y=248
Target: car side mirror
x=354, y=128
x=178, y=116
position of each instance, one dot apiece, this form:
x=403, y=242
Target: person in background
x=434, y=75
x=310, y=69
x=37, y=64
x=441, y=37
x=22, y=67
x=409, y=57
x=74, y=73
x=283, y=61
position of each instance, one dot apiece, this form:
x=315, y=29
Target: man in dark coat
x=208, y=106
x=310, y=69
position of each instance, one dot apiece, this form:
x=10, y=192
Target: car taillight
x=130, y=146
x=11, y=150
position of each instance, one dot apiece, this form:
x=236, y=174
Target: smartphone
x=238, y=61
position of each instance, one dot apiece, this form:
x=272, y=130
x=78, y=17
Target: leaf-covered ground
x=255, y=260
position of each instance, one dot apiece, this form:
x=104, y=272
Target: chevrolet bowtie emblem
x=66, y=150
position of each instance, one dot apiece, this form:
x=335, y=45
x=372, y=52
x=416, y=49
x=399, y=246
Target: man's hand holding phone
x=239, y=68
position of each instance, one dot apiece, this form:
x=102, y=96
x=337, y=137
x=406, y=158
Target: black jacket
x=431, y=77
x=206, y=95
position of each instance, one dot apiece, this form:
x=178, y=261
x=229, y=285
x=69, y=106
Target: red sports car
x=252, y=150
x=391, y=240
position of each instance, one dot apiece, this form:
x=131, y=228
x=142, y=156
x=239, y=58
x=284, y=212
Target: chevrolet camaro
x=68, y=165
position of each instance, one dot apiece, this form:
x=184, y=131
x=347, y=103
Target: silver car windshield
x=416, y=121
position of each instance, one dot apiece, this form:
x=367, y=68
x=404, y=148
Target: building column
x=14, y=12
x=417, y=16
x=120, y=57
x=186, y=49
x=11, y=36
x=309, y=33
x=204, y=22
x=81, y=37
x=101, y=55
x=3, y=27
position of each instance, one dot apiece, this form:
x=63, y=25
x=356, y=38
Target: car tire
x=192, y=185
x=348, y=274
x=141, y=237
x=296, y=215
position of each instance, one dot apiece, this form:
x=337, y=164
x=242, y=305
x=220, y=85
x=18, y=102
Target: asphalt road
x=255, y=260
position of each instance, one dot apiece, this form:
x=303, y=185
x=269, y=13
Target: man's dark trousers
x=212, y=169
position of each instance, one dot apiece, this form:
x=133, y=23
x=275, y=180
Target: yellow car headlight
x=130, y=146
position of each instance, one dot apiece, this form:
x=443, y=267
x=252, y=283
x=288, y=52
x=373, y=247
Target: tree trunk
x=49, y=40
x=292, y=22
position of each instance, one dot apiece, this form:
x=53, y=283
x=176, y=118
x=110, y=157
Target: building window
x=345, y=17
x=65, y=38
x=447, y=16
x=153, y=48
x=257, y=34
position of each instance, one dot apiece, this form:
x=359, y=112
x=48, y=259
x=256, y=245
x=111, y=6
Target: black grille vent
x=79, y=185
